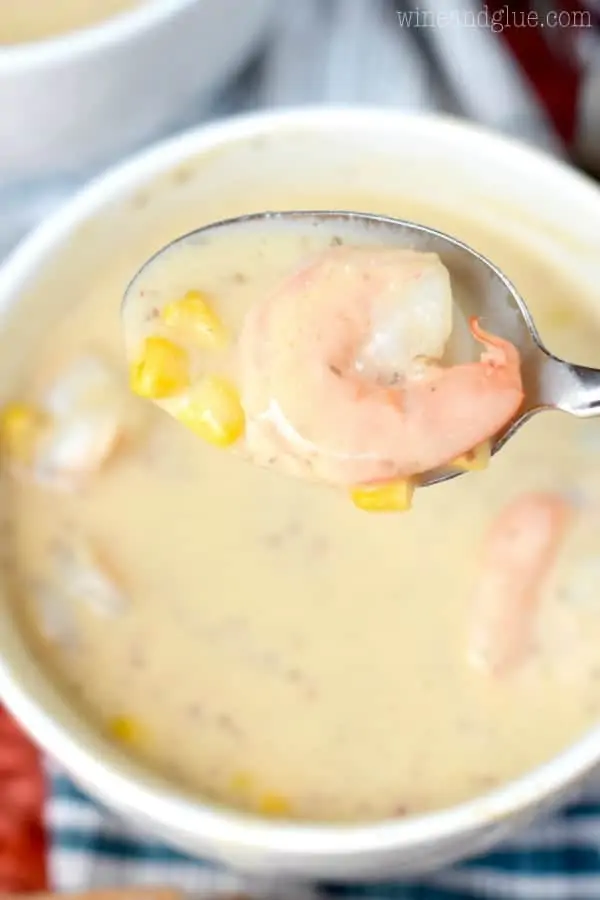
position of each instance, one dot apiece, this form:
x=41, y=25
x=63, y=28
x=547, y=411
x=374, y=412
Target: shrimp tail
x=498, y=353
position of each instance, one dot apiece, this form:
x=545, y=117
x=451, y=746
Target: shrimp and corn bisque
x=255, y=638
x=338, y=372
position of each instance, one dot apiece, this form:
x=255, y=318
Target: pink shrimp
x=317, y=405
x=518, y=554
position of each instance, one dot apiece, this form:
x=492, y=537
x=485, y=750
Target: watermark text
x=496, y=20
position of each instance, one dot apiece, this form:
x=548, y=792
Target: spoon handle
x=580, y=394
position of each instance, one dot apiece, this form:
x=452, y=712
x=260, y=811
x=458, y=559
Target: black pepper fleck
x=182, y=175
x=195, y=711
x=227, y=724
x=141, y=200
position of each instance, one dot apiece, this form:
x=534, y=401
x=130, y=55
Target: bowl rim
x=140, y=794
x=94, y=38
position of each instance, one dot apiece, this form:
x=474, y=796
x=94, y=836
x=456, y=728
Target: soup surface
x=258, y=639
x=22, y=21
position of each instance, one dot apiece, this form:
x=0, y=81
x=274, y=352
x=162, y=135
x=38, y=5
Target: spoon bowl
x=480, y=288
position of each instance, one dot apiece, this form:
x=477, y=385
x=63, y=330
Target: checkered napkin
x=556, y=859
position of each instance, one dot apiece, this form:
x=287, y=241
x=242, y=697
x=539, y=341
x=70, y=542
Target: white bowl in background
x=78, y=101
x=229, y=168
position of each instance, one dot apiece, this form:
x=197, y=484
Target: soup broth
x=270, y=646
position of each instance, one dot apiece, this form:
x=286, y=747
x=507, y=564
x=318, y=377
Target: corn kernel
x=273, y=805
x=125, y=730
x=20, y=427
x=241, y=783
x=396, y=496
x=475, y=460
x=213, y=411
x=194, y=314
x=161, y=370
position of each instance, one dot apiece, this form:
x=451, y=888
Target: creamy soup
x=256, y=638
x=22, y=21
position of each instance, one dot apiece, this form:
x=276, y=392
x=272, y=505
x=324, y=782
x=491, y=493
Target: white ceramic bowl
x=230, y=168
x=78, y=101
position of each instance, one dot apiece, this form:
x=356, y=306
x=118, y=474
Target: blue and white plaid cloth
x=556, y=859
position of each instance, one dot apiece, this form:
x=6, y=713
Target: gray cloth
x=437, y=57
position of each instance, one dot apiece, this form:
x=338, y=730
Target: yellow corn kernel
x=20, y=427
x=126, y=730
x=161, y=370
x=194, y=314
x=213, y=411
x=273, y=805
x=395, y=496
x=475, y=460
x=242, y=783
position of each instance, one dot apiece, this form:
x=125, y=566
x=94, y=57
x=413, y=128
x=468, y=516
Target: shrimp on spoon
x=359, y=367
x=341, y=375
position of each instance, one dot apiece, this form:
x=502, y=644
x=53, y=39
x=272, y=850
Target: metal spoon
x=480, y=287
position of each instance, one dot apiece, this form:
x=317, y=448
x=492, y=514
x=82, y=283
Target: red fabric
x=548, y=59
x=22, y=840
